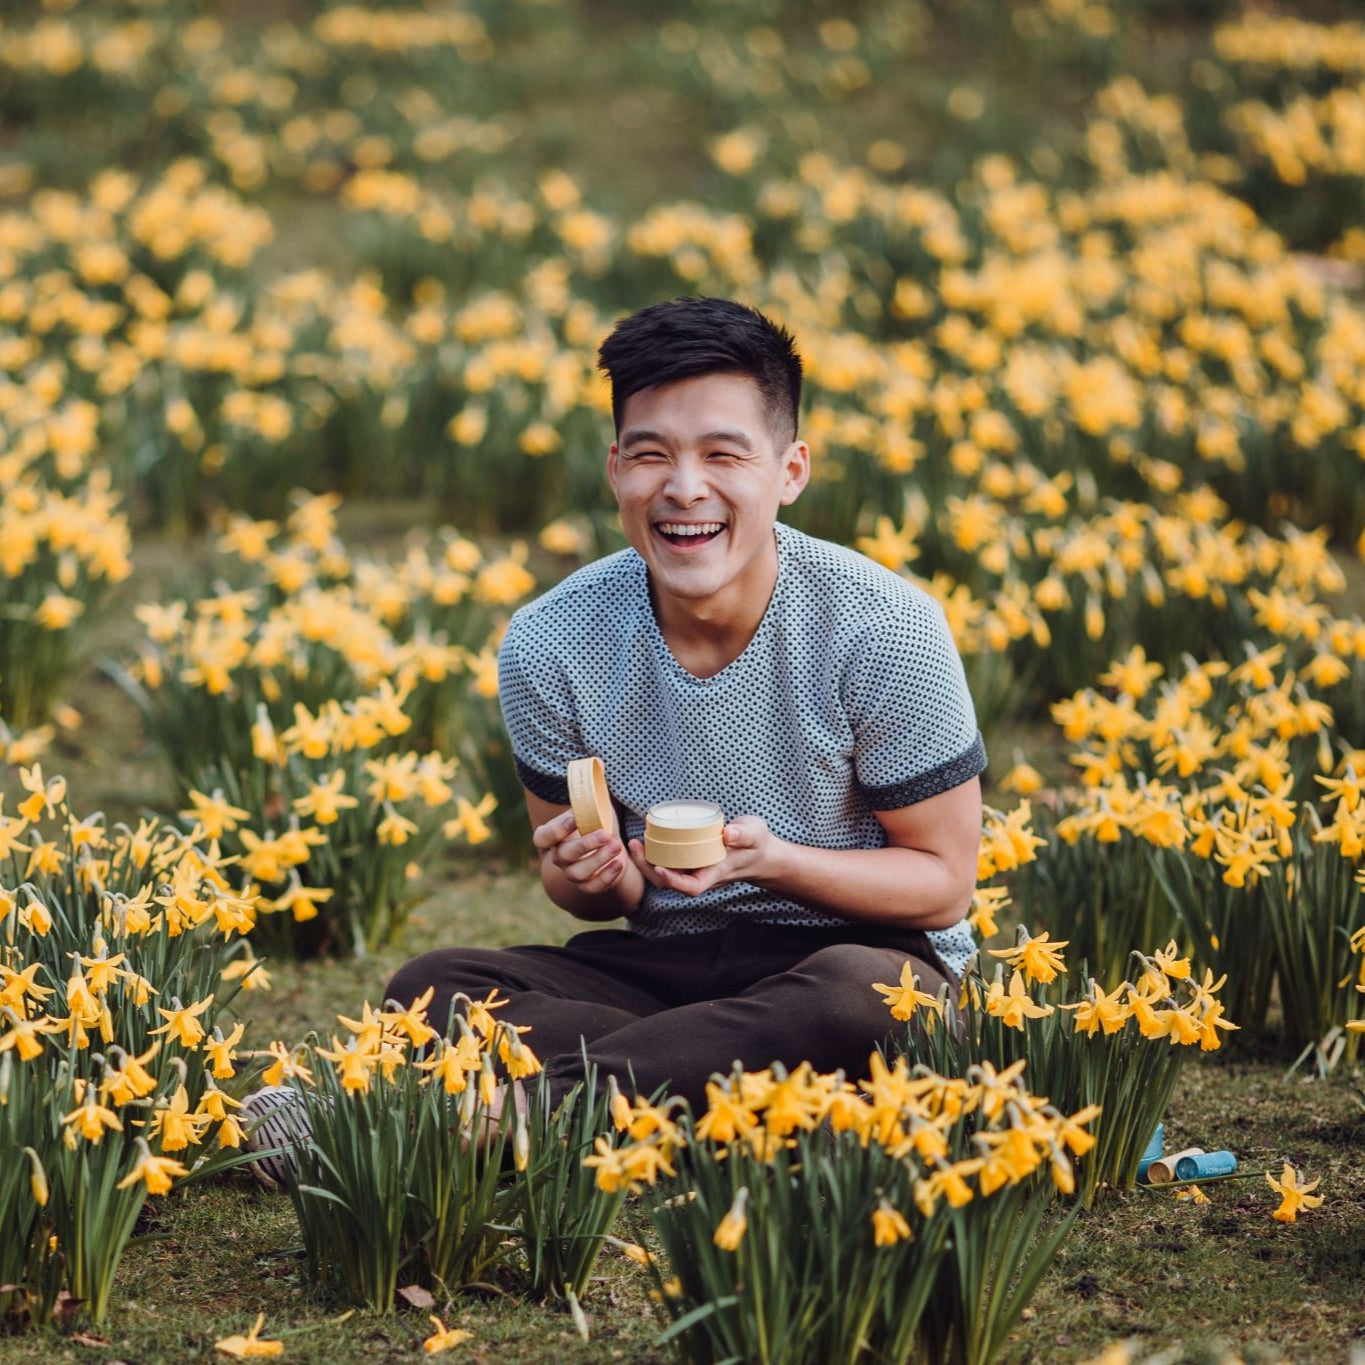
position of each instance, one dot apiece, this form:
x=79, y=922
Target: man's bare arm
x=922, y=879
x=591, y=876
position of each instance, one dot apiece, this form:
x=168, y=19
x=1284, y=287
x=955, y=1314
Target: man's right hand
x=592, y=863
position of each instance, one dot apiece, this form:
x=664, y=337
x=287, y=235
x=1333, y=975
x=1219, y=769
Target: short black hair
x=688, y=337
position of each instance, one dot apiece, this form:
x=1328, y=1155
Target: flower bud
x=37, y=1179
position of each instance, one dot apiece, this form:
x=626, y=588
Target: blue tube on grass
x=1152, y=1151
x=1205, y=1166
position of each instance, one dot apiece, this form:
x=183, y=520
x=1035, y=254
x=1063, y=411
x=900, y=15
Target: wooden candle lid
x=588, y=794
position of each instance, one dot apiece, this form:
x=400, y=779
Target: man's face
x=699, y=476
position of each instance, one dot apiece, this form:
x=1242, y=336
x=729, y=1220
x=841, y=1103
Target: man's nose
x=687, y=482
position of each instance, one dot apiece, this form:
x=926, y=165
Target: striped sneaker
x=276, y=1120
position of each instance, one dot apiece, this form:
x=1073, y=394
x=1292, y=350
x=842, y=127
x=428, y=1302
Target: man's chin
x=688, y=589
x=687, y=582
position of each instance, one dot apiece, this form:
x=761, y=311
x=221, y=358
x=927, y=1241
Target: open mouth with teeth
x=688, y=534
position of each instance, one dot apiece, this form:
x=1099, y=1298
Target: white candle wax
x=685, y=814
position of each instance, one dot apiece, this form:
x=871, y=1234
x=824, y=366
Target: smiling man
x=816, y=697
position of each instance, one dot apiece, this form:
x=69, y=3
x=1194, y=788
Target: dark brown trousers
x=673, y=1011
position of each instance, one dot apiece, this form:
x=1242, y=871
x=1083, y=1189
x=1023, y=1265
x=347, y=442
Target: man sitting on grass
x=815, y=696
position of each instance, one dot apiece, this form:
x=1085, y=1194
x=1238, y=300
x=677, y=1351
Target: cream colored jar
x=684, y=835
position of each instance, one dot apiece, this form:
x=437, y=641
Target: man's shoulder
x=605, y=593
x=831, y=577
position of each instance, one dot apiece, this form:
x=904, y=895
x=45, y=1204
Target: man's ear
x=795, y=470
x=612, y=455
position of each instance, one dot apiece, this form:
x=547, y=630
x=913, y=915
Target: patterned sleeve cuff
x=967, y=765
x=552, y=789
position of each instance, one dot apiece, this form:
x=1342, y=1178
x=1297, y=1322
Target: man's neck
x=705, y=635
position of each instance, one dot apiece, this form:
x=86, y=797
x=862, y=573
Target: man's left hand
x=749, y=854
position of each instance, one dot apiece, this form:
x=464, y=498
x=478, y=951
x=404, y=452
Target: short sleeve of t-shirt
x=537, y=709
x=914, y=726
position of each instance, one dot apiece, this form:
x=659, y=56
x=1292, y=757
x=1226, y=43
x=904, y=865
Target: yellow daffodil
x=471, y=820
x=37, y=1180
x=1063, y=1172
x=987, y=902
x=487, y=1082
x=1133, y=676
x=264, y=743
x=10, y=831
x=302, y=901
x=1071, y=1132
x=132, y=1080
x=452, y=1068
x=609, y=1164
x=284, y=1066
x=890, y=548
x=92, y=1120
x=353, y=1063
x=264, y=859
x=57, y=611
x=1100, y=1011
x=480, y=1016
x=632, y=1251
x=620, y=1169
x=947, y=1181
x=562, y=537
x=730, y=1230
x=24, y=1035
x=182, y=1021
x=906, y=997
x=888, y=1225
x=1015, y=1005
x=18, y=986
x=36, y=917
x=1293, y=1196
x=443, y=1338
x=325, y=799
x=220, y=1051
x=156, y=1172
x=727, y=1117
x=1037, y=957
x=1023, y=778
x=519, y=1060
x=252, y=1345
x=412, y=1021
x=174, y=1124
x=215, y=814
x=395, y=829
x=250, y=971
x=43, y=796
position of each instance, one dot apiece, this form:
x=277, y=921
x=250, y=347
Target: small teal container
x=1153, y=1151
x=1207, y=1166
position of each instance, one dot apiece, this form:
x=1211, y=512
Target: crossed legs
x=672, y=1011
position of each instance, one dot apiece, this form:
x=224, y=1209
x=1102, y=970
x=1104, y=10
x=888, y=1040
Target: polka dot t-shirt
x=849, y=699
